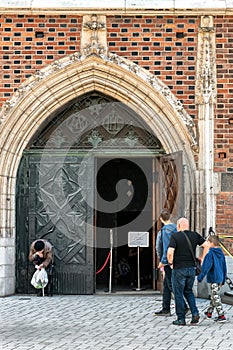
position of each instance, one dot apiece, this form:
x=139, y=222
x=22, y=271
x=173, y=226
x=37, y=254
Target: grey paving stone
x=113, y=322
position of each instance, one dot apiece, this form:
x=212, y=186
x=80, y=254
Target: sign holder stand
x=138, y=239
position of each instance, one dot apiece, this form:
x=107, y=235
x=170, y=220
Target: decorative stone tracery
x=205, y=99
x=206, y=69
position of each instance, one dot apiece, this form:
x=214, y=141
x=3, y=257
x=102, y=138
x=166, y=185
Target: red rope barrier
x=105, y=263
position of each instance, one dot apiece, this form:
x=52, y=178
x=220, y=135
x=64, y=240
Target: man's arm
x=205, y=247
x=159, y=245
x=170, y=255
x=31, y=252
x=48, y=254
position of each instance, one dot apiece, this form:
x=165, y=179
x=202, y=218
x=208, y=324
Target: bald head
x=182, y=224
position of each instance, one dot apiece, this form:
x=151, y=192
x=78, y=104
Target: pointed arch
x=43, y=94
x=49, y=89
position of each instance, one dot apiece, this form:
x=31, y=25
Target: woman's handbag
x=196, y=260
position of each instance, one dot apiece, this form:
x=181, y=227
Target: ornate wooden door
x=170, y=184
x=168, y=193
x=58, y=211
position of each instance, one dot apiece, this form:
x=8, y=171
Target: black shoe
x=179, y=323
x=195, y=319
x=220, y=319
x=162, y=313
x=208, y=314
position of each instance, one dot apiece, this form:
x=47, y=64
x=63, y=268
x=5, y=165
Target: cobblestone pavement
x=105, y=322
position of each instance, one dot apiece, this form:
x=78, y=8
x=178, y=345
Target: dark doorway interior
x=130, y=209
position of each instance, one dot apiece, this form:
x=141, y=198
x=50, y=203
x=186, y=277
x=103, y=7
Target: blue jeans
x=167, y=288
x=182, y=283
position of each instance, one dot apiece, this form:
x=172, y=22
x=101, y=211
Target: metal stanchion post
x=139, y=287
x=110, y=264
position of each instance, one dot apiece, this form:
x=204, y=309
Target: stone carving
x=8, y=104
x=95, y=139
x=76, y=56
x=131, y=139
x=56, y=65
x=91, y=42
x=207, y=24
x=94, y=49
x=39, y=74
x=94, y=26
x=206, y=69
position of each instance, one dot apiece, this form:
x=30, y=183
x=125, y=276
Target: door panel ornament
x=171, y=183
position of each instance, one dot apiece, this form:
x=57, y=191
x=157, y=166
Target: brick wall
x=164, y=45
x=29, y=43
x=223, y=137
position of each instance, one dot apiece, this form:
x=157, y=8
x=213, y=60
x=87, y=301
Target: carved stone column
x=205, y=99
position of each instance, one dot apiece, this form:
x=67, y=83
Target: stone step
x=227, y=298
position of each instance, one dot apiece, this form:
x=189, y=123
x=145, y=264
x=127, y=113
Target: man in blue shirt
x=162, y=242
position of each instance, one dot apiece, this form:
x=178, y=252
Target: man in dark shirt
x=162, y=242
x=41, y=254
x=181, y=260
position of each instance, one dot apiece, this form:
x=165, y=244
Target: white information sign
x=138, y=239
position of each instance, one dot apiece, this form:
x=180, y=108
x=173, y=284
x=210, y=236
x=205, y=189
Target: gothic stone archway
x=42, y=95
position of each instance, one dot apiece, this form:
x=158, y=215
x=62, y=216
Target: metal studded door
x=60, y=188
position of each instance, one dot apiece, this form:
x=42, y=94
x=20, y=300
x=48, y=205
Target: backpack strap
x=190, y=247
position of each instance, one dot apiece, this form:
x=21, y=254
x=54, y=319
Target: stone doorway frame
x=49, y=89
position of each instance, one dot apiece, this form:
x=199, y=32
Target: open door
x=168, y=193
x=131, y=211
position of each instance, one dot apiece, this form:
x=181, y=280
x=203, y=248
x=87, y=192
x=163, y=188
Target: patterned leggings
x=215, y=299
